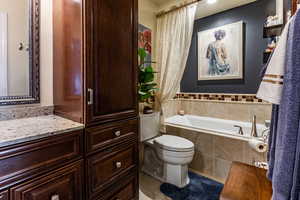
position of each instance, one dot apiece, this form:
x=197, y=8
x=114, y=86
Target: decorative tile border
x=24, y=112
x=231, y=98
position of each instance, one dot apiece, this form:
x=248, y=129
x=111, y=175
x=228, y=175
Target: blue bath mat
x=199, y=188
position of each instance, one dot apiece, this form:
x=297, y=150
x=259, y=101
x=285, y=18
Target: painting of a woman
x=220, y=52
x=217, y=54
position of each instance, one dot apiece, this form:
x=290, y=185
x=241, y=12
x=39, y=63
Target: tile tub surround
x=27, y=129
x=230, y=111
x=9, y=113
x=215, y=97
x=223, y=110
x=214, y=154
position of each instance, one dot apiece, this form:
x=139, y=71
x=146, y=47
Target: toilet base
x=164, y=172
x=176, y=174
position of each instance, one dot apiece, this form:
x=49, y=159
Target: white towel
x=271, y=86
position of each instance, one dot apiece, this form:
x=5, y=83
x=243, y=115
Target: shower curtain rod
x=176, y=8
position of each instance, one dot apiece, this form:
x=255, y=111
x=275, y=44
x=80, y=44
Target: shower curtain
x=174, y=35
x=3, y=54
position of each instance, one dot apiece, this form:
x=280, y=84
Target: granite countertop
x=27, y=129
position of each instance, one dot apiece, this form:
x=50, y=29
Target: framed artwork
x=145, y=42
x=220, y=52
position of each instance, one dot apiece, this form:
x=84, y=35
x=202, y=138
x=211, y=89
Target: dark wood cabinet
x=57, y=167
x=105, y=167
x=4, y=195
x=43, y=169
x=110, y=134
x=95, y=56
x=63, y=184
x=68, y=59
x=24, y=161
x=111, y=59
x=126, y=189
x=95, y=83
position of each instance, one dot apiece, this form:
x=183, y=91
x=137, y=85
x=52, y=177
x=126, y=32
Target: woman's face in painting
x=220, y=35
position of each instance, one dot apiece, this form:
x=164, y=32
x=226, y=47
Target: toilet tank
x=149, y=126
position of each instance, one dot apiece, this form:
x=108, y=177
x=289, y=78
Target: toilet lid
x=174, y=143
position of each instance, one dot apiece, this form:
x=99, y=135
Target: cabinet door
x=111, y=62
x=64, y=184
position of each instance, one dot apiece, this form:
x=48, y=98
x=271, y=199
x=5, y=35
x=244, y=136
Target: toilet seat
x=174, y=143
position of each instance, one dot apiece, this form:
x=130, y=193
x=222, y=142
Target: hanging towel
x=270, y=89
x=284, y=153
x=272, y=140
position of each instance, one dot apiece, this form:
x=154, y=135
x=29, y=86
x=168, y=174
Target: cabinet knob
x=55, y=197
x=117, y=133
x=118, y=165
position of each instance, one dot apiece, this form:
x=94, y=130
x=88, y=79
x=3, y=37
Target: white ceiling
x=205, y=9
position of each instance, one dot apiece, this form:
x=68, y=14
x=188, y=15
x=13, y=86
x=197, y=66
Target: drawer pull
x=1, y=196
x=91, y=96
x=118, y=165
x=117, y=133
x=54, y=197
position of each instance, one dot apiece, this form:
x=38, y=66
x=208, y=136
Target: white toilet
x=166, y=157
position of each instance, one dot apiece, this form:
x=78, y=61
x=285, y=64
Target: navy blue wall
x=253, y=15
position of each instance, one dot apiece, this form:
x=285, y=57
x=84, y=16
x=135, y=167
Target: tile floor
x=149, y=188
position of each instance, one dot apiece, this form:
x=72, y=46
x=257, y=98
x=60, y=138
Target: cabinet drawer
x=63, y=184
x=24, y=161
x=4, y=195
x=127, y=189
x=110, y=134
x=108, y=166
x=126, y=193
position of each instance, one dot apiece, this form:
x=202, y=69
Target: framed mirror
x=19, y=52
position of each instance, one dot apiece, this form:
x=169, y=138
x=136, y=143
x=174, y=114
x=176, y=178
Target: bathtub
x=215, y=126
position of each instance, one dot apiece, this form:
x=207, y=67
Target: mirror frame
x=34, y=60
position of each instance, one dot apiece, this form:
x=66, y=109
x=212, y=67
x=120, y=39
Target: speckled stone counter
x=11, y=113
x=27, y=129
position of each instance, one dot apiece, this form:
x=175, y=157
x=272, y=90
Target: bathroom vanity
x=50, y=157
x=41, y=158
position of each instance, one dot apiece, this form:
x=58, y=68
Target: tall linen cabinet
x=95, y=83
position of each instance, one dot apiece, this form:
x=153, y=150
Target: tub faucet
x=254, y=129
x=241, y=132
